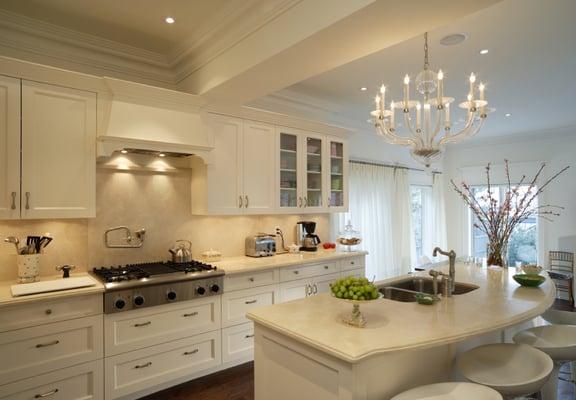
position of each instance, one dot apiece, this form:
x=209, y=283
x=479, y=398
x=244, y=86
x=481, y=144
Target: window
x=421, y=209
x=523, y=243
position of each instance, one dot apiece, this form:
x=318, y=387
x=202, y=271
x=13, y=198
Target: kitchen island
x=303, y=350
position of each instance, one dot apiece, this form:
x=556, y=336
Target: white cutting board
x=56, y=285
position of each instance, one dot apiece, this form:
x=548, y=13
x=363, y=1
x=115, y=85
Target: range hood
x=147, y=120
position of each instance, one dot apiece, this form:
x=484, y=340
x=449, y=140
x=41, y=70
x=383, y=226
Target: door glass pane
x=336, y=178
x=288, y=170
x=313, y=172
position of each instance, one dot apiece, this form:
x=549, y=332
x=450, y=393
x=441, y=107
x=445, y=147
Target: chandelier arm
x=468, y=131
x=439, y=115
x=456, y=137
x=417, y=138
x=393, y=138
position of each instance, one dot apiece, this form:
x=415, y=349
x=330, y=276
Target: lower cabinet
x=238, y=343
x=236, y=304
x=80, y=382
x=136, y=371
x=302, y=288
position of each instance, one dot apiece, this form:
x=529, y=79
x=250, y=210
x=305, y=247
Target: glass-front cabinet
x=312, y=172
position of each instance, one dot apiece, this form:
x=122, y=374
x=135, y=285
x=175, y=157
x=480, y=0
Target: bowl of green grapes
x=356, y=291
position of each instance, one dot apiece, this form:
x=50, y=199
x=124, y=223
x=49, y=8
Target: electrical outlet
x=277, y=228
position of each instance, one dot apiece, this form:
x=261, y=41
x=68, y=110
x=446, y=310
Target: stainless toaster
x=261, y=245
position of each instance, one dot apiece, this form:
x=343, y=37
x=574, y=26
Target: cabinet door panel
x=322, y=283
x=295, y=290
x=9, y=148
x=58, y=152
x=337, y=183
x=225, y=173
x=289, y=176
x=258, y=165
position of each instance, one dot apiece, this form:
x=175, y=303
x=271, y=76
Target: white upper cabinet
x=240, y=177
x=314, y=177
x=58, y=152
x=9, y=148
x=337, y=172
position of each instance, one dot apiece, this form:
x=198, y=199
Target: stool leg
x=550, y=389
x=573, y=370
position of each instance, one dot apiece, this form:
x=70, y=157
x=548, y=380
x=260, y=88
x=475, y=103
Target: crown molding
x=38, y=41
x=230, y=27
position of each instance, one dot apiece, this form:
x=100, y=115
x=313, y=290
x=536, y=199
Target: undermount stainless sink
x=405, y=290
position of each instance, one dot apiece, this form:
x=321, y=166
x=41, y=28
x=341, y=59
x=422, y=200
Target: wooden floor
x=238, y=384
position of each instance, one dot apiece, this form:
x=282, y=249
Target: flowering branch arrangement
x=498, y=219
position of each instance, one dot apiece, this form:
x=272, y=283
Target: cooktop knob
x=200, y=290
x=214, y=288
x=138, y=300
x=119, y=304
x=171, y=295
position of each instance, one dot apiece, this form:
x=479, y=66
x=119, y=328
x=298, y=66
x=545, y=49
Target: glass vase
x=497, y=253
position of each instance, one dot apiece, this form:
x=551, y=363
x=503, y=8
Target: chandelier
x=423, y=125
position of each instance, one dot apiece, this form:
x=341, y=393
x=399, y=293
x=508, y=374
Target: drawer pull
x=249, y=336
x=251, y=301
x=149, y=363
x=251, y=279
x=326, y=267
x=352, y=262
x=189, y=353
x=192, y=314
x=143, y=324
x=13, y=207
x=296, y=272
x=48, y=311
x=40, y=345
x=50, y=393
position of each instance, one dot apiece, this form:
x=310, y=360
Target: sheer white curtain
x=439, y=212
x=379, y=207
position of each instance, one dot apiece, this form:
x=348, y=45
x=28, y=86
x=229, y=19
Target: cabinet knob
x=296, y=272
x=251, y=279
x=48, y=311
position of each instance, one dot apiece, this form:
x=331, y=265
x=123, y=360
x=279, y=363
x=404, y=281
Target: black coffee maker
x=307, y=239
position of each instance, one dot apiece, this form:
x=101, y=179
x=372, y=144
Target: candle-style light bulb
x=418, y=115
x=440, y=92
x=447, y=115
x=481, y=87
x=440, y=75
x=392, y=115
x=406, y=79
x=406, y=91
x=382, y=89
x=472, y=78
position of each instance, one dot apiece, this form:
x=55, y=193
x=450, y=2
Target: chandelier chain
x=426, y=63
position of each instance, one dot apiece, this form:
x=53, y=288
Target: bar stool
x=449, y=391
x=562, y=317
x=513, y=370
x=559, y=342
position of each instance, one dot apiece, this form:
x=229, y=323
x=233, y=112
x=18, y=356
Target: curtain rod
x=391, y=166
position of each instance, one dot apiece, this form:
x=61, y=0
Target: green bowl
x=529, y=280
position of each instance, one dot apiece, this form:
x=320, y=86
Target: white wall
x=524, y=153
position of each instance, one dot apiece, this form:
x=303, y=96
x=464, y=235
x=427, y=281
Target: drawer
x=238, y=343
x=139, y=370
x=307, y=271
x=48, y=311
x=357, y=273
x=81, y=382
x=40, y=349
x=133, y=330
x=348, y=264
x=250, y=280
x=235, y=305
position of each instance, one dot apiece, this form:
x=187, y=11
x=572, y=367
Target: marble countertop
x=238, y=265
x=499, y=302
x=6, y=298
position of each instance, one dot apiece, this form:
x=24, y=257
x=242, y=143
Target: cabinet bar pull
x=329, y=205
x=246, y=204
x=240, y=202
x=27, y=200
x=142, y=324
x=50, y=393
x=249, y=336
x=251, y=301
x=40, y=345
x=13, y=201
x=315, y=289
x=189, y=353
x=149, y=363
x=299, y=201
x=308, y=290
x=192, y=314
x=305, y=201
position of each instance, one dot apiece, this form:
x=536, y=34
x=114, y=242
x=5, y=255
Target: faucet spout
x=452, y=260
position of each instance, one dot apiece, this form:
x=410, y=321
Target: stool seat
x=511, y=369
x=558, y=341
x=450, y=391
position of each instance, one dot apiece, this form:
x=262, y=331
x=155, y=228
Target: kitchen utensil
x=529, y=280
x=14, y=240
x=182, y=252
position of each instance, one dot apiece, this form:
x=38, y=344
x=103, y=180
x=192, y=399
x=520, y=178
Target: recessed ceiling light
x=363, y=89
x=124, y=151
x=161, y=155
x=169, y=20
x=484, y=51
x=453, y=39
x=507, y=115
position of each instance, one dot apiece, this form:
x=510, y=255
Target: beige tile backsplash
x=158, y=202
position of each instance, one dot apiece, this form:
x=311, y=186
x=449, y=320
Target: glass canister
x=349, y=238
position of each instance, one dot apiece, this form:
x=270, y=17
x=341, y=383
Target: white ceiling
x=530, y=70
x=139, y=23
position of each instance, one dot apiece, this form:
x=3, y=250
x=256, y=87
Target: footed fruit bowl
x=354, y=291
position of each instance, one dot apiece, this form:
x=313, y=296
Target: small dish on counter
x=531, y=269
x=529, y=280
